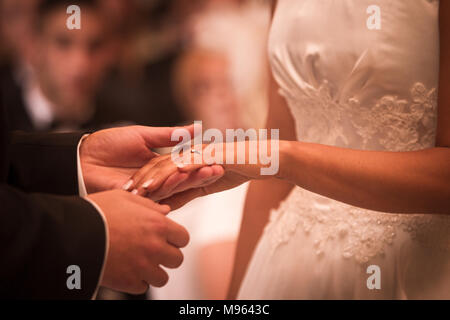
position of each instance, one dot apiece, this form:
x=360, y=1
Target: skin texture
x=141, y=237
x=140, y=242
x=110, y=157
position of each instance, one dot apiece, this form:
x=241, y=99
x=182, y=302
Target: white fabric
x=42, y=111
x=38, y=107
x=81, y=186
x=209, y=220
x=353, y=87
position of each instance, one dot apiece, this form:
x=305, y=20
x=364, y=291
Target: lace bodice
x=391, y=123
x=354, y=87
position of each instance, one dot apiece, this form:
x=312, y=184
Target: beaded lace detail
x=392, y=124
x=397, y=124
x=365, y=234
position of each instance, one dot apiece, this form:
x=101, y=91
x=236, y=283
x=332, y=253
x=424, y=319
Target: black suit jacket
x=12, y=99
x=44, y=227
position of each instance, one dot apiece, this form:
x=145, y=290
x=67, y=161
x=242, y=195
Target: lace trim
x=399, y=125
x=392, y=123
x=365, y=234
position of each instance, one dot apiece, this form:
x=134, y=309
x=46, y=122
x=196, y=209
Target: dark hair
x=47, y=6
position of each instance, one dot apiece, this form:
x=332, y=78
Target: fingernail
x=148, y=184
x=135, y=192
x=180, y=165
x=128, y=185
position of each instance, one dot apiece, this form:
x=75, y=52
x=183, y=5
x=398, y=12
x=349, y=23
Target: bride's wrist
x=285, y=150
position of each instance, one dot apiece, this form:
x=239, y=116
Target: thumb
x=159, y=137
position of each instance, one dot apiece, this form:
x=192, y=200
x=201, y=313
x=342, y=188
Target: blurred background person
x=148, y=62
x=111, y=72
x=204, y=87
x=147, y=44
x=17, y=22
x=152, y=35
x=225, y=87
x=70, y=67
x=66, y=69
x=239, y=29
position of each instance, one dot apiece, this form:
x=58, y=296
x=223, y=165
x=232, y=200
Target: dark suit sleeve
x=40, y=237
x=44, y=163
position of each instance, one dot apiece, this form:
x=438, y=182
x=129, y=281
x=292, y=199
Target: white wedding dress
x=350, y=85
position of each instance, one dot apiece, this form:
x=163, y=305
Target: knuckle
x=155, y=248
x=141, y=265
x=160, y=227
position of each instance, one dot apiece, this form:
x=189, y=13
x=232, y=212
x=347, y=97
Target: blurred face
x=210, y=94
x=72, y=63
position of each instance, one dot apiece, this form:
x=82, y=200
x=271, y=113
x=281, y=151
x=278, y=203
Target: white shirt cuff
x=81, y=186
x=83, y=193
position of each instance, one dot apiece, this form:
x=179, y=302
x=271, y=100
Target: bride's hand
x=242, y=158
x=162, y=177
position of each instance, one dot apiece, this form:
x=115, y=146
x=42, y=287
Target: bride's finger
x=144, y=178
x=202, y=177
x=188, y=168
x=156, y=174
x=197, y=162
x=181, y=182
x=131, y=184
x=155, y=177
x=168, y=187
x=218, y=172
x=192, y=180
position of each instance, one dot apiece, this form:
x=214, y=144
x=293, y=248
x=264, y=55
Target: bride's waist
x=305, y=203
x=362, y=233
x=330, y=217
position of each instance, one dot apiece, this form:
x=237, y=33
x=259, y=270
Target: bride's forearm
x=395, y=182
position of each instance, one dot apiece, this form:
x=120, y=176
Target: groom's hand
x=141, y=240
x=110, y=157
